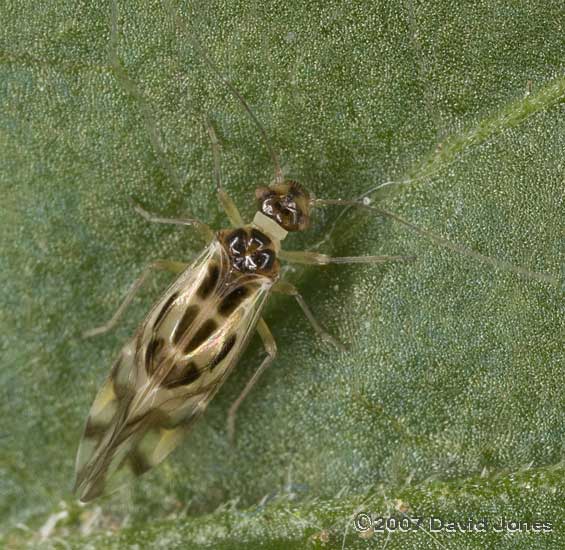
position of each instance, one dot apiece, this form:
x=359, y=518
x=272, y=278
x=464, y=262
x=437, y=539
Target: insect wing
x=165, y=376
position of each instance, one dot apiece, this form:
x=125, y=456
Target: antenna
x=279, y=178
x=500, y=264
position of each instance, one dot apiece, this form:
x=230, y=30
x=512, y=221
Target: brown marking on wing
x=187, y=319
x=94, y=430
x=226, y=348
x=152, y=353
x=210, y=281
x=202, y=334
x=233, y=299
x=165, y=309
x=138, y=464
x=181, y=375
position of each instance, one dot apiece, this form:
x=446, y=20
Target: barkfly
x=185, y=348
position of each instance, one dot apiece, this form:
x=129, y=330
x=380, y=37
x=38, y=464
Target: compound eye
x=290, y=217
x=238, y=242
x=264, y=260
x=271, y=206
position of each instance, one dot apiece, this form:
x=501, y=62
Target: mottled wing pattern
x=165, y=376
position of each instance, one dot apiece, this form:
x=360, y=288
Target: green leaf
x=448, y=402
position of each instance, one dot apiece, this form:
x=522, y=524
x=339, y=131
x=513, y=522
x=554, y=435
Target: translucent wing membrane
x=165, y=376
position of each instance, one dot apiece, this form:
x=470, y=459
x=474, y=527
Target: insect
x=185, y=348
x=191, y=340
x=164, y=377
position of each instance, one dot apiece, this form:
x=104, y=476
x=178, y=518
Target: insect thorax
x=250, y=251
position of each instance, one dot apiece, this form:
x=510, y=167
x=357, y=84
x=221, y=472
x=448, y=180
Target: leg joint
x=271, y=348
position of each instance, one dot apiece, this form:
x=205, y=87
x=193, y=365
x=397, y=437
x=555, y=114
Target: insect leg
x=175, y=267
x=226, y=201
x=271, y=349
x=290, y=290
x=315, y=258
x=206, y=233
